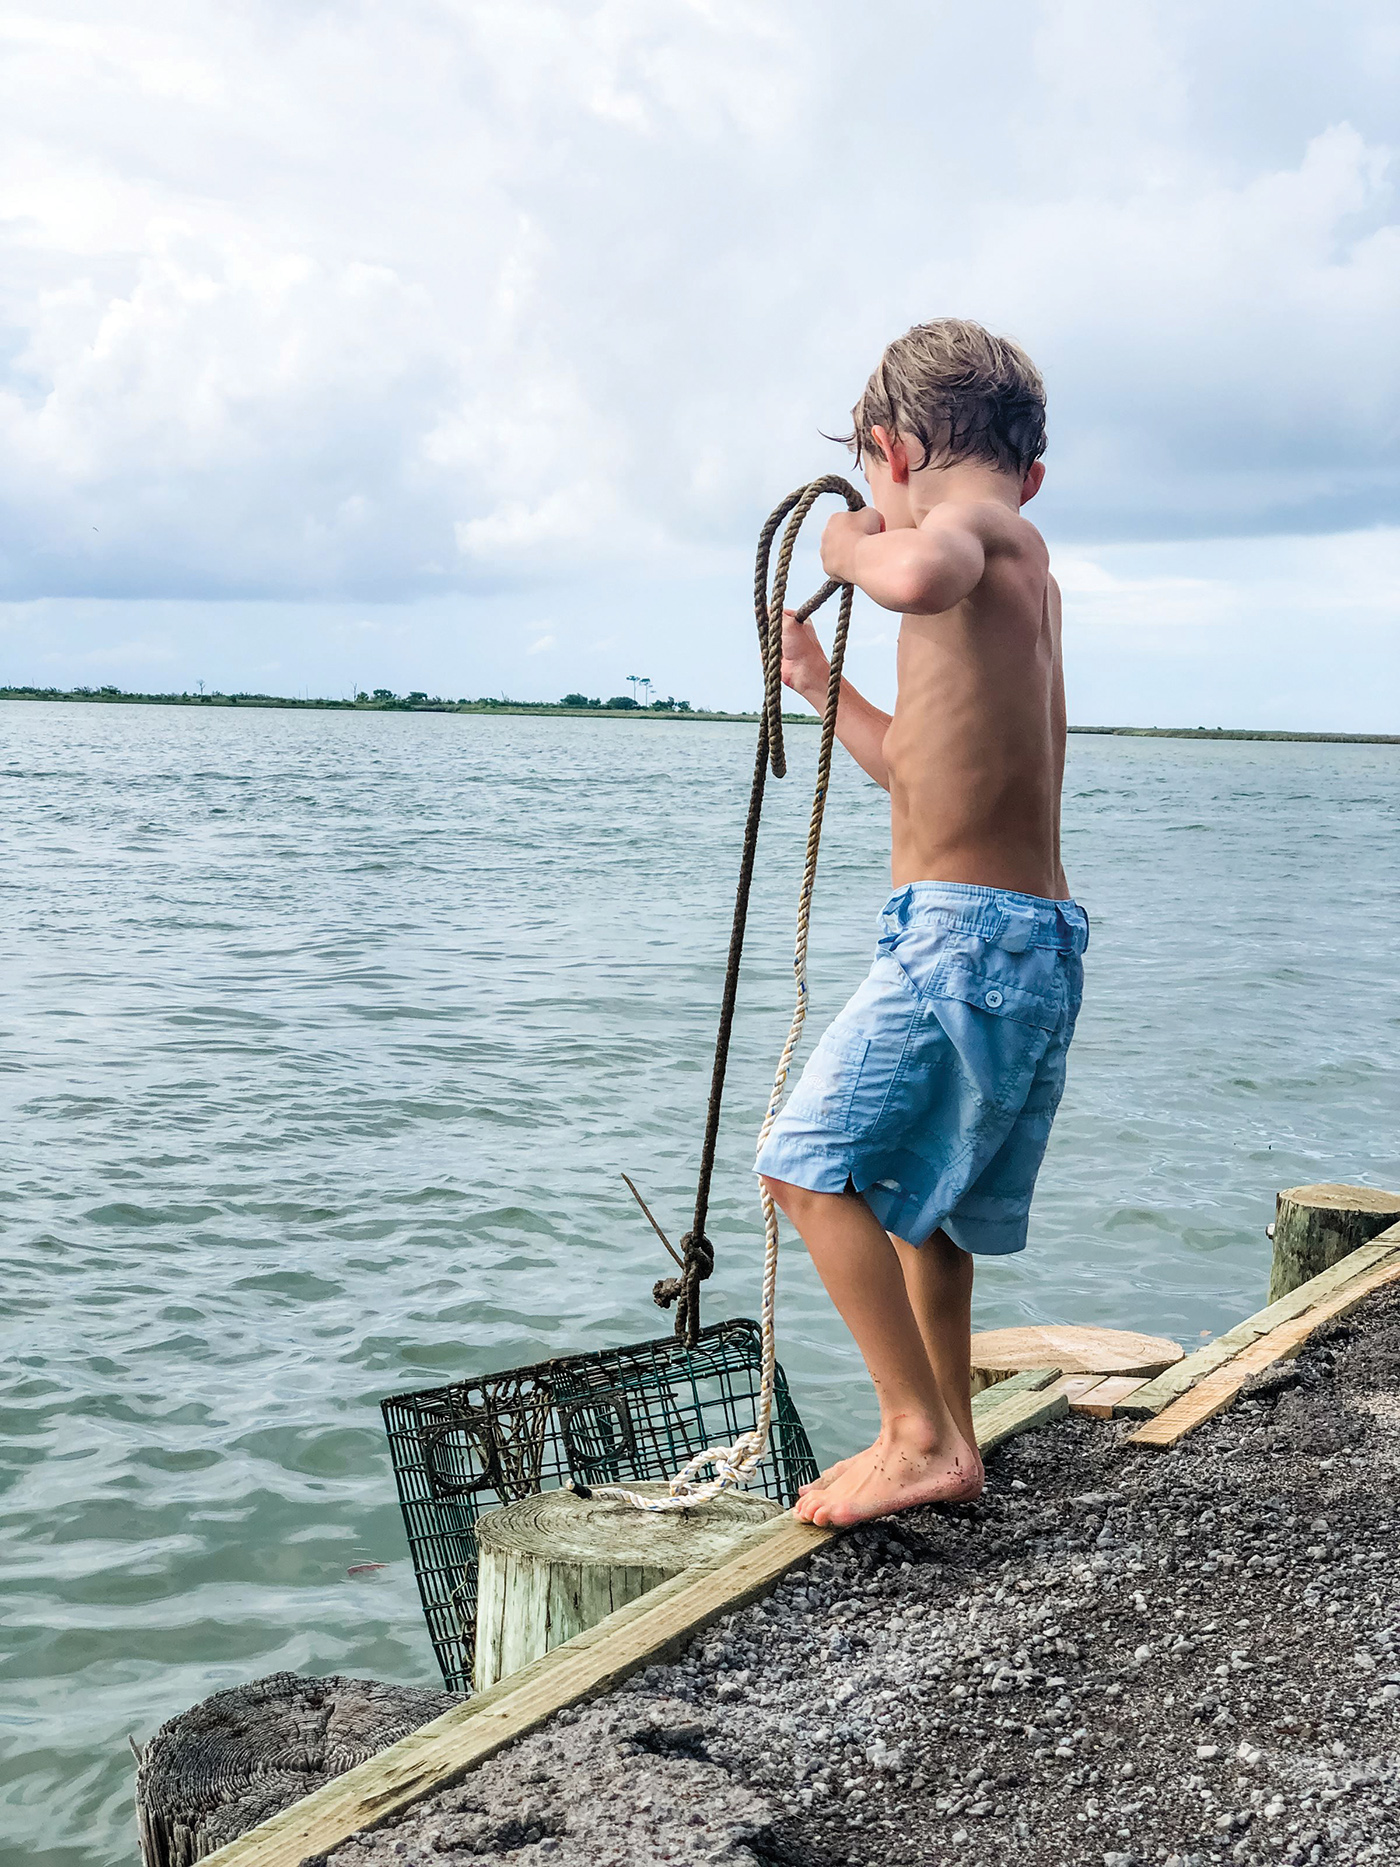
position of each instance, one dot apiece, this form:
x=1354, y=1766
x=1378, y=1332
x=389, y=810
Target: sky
x=463, y=345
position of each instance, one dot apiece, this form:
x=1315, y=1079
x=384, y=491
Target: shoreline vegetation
x=620, y=707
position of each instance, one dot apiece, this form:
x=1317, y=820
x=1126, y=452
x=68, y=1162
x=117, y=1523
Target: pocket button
x=994, y=999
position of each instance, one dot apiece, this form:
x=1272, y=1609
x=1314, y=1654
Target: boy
x=914, y=1136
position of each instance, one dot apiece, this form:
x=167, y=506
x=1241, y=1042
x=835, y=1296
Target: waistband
x=998, y=915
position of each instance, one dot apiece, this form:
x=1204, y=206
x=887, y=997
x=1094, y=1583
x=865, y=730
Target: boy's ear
x=895, y=453
x=1034, y=480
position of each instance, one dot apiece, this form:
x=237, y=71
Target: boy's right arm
x=860, y=727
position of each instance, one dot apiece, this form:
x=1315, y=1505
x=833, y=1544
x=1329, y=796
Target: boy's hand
x=806, y=669
x=844, y=530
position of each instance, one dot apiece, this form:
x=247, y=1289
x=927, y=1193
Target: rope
x=733, y=1465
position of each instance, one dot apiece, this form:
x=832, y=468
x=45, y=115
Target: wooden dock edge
x=435, y=1756
x=1213, y=1394
x=1160, y=1392
x=647, y=1631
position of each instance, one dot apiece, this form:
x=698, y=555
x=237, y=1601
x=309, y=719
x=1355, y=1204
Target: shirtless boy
x=912, y=1142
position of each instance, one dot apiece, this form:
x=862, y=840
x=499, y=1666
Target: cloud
x=376, y=304
x=132, y=653
x=542, y=646
x=1342, y=577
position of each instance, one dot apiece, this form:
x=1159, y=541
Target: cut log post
x=1316, y=1227
x=232, y=1761
x=553, y=1565
x=1073, y=1348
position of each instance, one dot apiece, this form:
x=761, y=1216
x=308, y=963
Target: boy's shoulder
x=998, y=530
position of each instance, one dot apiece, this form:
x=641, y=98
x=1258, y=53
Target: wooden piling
x=237, y=1758
x=554, y=1565
x=1316, y=1227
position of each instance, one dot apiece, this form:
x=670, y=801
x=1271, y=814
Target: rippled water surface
x=325, y=1037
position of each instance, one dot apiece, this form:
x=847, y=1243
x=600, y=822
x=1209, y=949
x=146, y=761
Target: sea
x=326, y=1037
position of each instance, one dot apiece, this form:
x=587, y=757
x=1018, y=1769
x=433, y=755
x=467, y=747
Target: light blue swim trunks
x=933, y=1092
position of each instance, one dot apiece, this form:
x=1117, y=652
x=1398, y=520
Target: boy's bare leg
x=938, y=1277
x=921, y=1455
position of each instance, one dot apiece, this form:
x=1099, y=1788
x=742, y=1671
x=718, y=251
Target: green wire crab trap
x=612, y=1415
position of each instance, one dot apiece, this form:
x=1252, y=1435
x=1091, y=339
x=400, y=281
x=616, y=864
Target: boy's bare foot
x=900, y=1470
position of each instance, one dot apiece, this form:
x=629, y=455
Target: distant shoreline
x=550, y=709
x=1240, y=732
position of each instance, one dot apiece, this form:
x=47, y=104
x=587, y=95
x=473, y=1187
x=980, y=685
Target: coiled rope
x=732, y=1465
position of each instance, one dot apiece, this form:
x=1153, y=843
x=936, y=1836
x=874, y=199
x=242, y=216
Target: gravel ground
x=1116, y=1658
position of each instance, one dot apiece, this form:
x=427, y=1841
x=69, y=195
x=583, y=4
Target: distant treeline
x=381, y=700
x=384, y=700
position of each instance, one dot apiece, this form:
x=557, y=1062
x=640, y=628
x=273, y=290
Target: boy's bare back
x=973, y=755
x=975, y=750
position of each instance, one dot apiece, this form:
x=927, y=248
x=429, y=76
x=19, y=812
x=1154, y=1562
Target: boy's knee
x=785, y=1196
x=796, y=1202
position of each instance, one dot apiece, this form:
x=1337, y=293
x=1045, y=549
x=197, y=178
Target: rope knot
x=699, y=1255
x=684, y=1291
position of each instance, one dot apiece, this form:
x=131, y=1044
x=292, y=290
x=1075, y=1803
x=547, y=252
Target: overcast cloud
x=464, y=345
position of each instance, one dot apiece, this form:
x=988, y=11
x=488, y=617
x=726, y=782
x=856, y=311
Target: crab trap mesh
x=609, y=1416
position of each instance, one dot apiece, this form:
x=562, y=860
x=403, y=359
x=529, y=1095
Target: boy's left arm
x=918, y=570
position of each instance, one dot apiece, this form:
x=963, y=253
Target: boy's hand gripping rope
x=732, y=1465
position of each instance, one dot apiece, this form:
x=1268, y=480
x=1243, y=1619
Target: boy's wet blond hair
x=961, y=393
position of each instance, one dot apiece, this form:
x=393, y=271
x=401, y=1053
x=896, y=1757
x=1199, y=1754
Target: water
x=326, y=1037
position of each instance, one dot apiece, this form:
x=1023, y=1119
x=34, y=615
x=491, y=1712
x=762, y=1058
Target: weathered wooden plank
x=1163, y=1389
x=1075, y=1386
x=1030, y=1381
x=1097, y=1395
x=1021, y=1414
x=1106, y=1400
x=1217, y=1390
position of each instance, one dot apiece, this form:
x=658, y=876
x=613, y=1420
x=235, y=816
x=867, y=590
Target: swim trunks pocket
x=999, y=1035
x=852, y=1055
x=860, y=1059
x=1027, y=988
